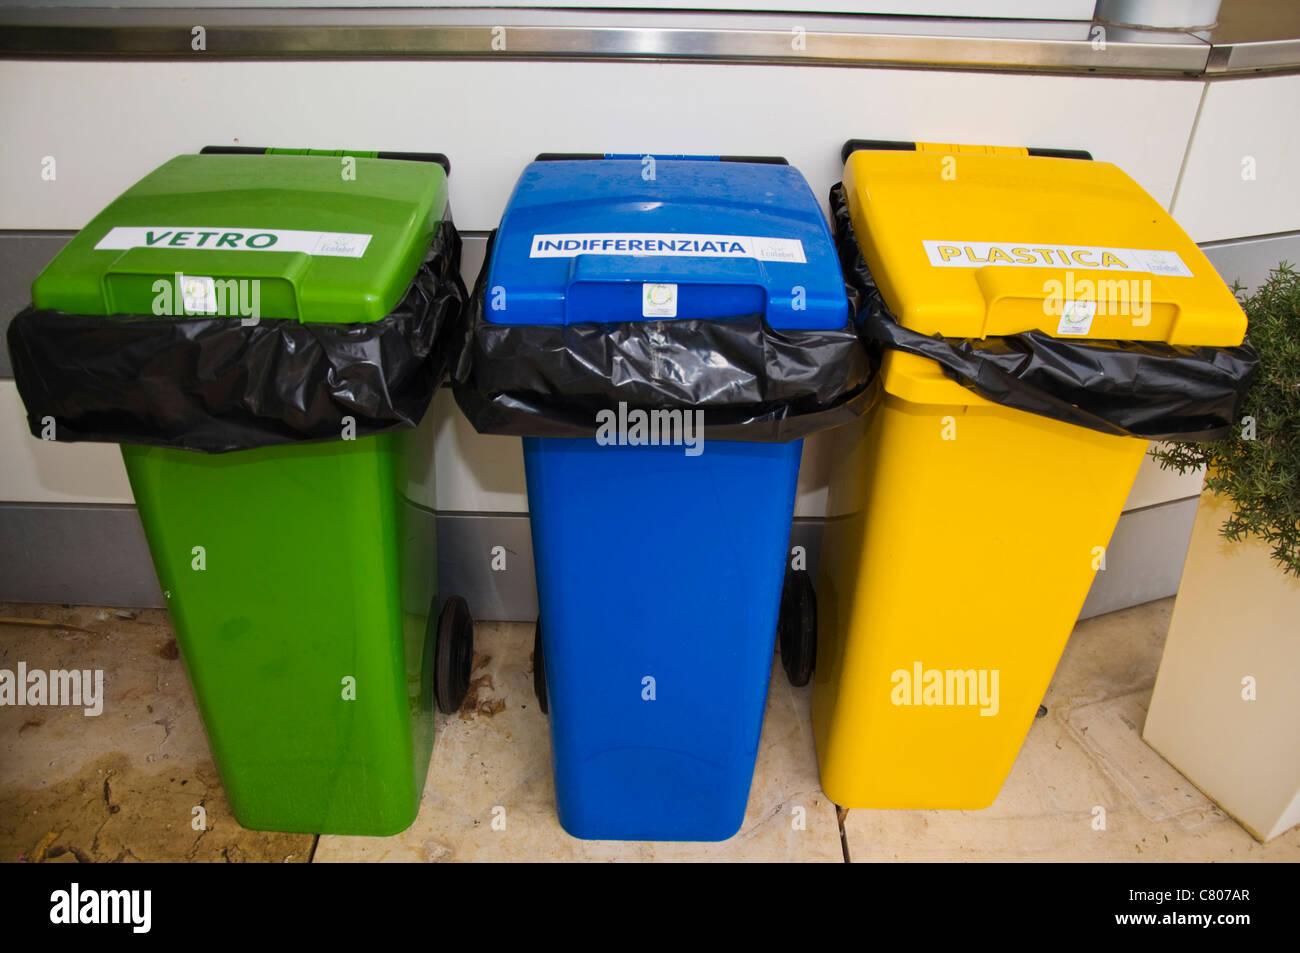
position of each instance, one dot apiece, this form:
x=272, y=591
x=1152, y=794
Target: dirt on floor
x=133, y=782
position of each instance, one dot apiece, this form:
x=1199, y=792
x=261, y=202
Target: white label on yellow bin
x=658, y=301
x=237, y=238
x=960, y=254
x=667, y=244
x=1076, y=316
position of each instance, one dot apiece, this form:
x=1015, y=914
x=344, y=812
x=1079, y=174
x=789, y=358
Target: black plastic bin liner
x=213, y=385
x=1142, y=389
x=753, y=383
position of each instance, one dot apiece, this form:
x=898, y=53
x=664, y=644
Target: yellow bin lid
x=969, y=242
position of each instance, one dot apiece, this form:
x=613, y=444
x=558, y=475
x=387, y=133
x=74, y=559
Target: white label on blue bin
x=237, y=238
x=960, y=254
x=667, y=244
x=658, y=301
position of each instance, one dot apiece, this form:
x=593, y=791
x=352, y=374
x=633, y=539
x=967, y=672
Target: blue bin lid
x=595, y=240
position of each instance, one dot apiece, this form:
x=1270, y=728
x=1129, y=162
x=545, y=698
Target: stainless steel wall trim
x=1254, y=36
x=1246, y=58
x=1007, y=45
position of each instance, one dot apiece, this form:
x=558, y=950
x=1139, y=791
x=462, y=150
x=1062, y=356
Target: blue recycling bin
x=660, y=559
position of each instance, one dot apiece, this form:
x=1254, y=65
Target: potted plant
x=1226, y=706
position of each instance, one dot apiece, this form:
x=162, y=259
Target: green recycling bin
x=262, y=331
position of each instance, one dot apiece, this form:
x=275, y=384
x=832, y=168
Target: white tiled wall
x=39, y=471
x=107, y=124
x=114, y=122
x=1240, y=177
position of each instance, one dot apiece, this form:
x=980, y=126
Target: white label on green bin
x=330, y=244
x=667, y=244
x=199, y=294
x=959, y=254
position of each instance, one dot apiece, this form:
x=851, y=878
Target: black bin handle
x=437, y=157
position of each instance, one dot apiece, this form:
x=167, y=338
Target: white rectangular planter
x=1235, y=631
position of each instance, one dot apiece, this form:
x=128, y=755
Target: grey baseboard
x=76, y=554
x=1144, y=560
x=466, y=545
x=97, y=555
x=497, y=583
x=23, y=256
x=1249, y=260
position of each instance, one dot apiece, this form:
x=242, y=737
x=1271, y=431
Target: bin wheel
x=539, y=669
x=455, y=655
x=797, y=627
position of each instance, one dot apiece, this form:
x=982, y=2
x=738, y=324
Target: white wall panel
x=107, y=124
x=44, y=471
x=1247, y=127
x=1154, y=485
x=474, y=473
x=486, y=474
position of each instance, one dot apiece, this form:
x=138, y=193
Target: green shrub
x=1261, y=476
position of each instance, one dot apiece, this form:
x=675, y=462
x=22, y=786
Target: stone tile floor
x=124, y=785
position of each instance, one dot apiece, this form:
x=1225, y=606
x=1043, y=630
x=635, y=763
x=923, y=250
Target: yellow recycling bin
x=1040, y=318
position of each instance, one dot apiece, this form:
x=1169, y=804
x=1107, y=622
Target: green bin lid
x=310, y=237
